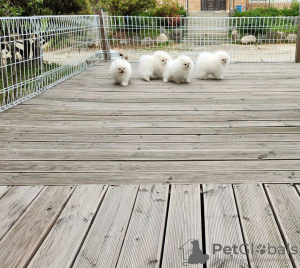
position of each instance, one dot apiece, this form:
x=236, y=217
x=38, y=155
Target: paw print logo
x=261, y=249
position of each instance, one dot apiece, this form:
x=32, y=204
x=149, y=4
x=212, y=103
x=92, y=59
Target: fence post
x=298, y=40
x=103, y=37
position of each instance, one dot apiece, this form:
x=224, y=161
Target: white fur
x=214, y=64
x=179, y=70
x=120, y=70
x=154, y=65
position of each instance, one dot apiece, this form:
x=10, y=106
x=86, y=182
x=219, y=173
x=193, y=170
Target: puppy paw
x=188, y=80
x=147, y=79
x=124, y=84
x=165, y=80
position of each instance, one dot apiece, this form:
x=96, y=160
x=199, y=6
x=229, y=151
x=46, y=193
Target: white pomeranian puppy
x=121, y=70
x=179, y=70
x=154, y=65
x=214, y=64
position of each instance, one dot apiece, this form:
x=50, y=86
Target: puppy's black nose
x=122, y=71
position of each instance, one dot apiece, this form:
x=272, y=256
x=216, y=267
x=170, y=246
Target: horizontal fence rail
x=259, y=39
x=40, y=52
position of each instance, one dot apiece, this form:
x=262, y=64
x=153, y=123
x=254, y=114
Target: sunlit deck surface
x=98, y=175
x=87, y=129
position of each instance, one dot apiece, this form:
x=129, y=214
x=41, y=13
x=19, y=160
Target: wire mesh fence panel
x=39, y=52
x=254, y=39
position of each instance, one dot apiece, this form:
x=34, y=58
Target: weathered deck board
x=13, y=205
x=124, y=227
x=194, y=138
x=183, y=224
x=4, y=190
x=222, y=226
x=143, y=242
x=286, y=204
x=259, y=227
x=105, y=238
x=24, y=238
x=147, y=166
x=64, y=240
x=86, y=122
x=146, y=177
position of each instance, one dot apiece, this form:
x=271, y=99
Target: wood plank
x=260, y=105
x=259, y=226
x=183, y=138
x=144, y=239
x=185, y=177
x=222, y=226
x=66, y=236
x=145, y=166
x=97, y=130
x=149, y=146
x=138, y=155
x=4, y=190
x=149, y=115
x=184, y=224
x=285, y=202
x=14, y=204
x=104, y=240
x=24, y=238
x=143, y=124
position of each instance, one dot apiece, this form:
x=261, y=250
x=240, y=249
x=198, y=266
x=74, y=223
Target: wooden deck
x=140, y=226
x=245, y=128
x=116, y=177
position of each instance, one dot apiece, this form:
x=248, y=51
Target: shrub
x=292, y=11
x=168, y=8
x=127, y=7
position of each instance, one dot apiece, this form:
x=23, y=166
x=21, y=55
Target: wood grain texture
x=222, y=226
x=66, y=236
x=24, y=238
x=14, y=204
x=87, y=121
x=183, y=224
x=259, y=227
x=168, y=177
x=4, y=190
x=144, y=238
x=146, y=166
x=103, y=243
x=286, y=204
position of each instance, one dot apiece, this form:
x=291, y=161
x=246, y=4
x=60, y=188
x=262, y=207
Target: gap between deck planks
x=150, y=225
x=245, y=128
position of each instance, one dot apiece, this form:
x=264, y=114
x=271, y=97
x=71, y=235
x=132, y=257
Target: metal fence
x=40, y=52
x=255, y=39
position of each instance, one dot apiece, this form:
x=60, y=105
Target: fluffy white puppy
x=214, y=64
x=154, y=65
x=121, y=70
x=179, y=70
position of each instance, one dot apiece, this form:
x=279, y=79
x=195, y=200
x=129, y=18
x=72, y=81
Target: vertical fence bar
x=103, y=37
x=298, y=40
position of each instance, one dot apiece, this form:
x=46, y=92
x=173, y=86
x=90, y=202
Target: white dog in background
x=179, y=70
x=214, y=64
x=154, y=65
x=121, y=70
